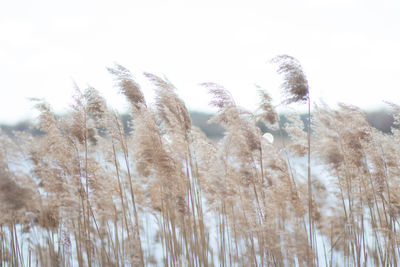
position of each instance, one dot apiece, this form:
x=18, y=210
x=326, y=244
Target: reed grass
x=86, y=193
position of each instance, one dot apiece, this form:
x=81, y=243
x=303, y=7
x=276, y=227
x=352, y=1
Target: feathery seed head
x=171, y=108
x=96, y=105
x=221, y=97
x=129, y=87
x=12, y=195
x=269, y=113
x=295, y=84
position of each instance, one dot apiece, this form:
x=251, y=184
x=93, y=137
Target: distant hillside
x=380, y=119
x=200, y=120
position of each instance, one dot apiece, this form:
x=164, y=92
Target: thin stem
x=309, y=175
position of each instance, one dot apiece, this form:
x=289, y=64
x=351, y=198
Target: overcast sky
x=349, y=49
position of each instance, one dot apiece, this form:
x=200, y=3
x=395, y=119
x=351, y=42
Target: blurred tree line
x=380, y=119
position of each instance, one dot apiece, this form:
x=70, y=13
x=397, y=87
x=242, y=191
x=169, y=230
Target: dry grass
x=84, y=193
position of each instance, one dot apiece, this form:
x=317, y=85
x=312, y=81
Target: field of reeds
x=84, y=192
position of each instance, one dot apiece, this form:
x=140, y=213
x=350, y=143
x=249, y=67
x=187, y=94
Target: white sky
x=350, y=50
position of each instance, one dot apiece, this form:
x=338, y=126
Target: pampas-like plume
x=221, y=97
x=171, y=108
x=47, y=120
x=268, y=112
x=295, y=84
x=298, y=136
x=12, y=195
x=128, y=86
x=96, y=105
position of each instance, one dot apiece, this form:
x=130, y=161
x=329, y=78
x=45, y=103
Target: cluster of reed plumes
x=85, y=193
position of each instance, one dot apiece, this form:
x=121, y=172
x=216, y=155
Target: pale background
x=349, y=49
